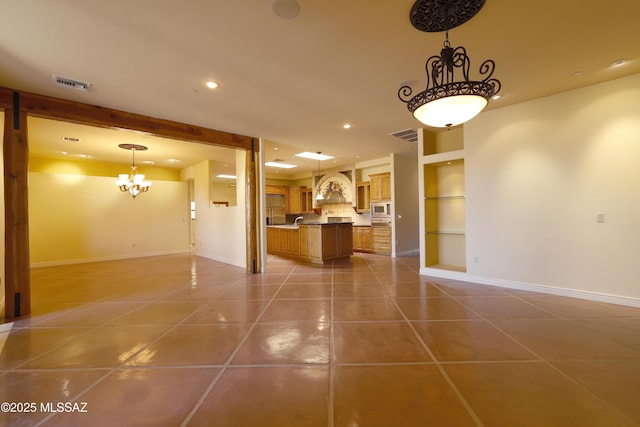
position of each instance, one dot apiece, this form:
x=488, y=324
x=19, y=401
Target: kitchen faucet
x=300, y=218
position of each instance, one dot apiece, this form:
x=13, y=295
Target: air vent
x=410, y=135
x=71, y=83
x=70, y=139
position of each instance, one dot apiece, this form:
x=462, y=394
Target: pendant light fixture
x=319, y=195
x=133, y=182
x=446, y=102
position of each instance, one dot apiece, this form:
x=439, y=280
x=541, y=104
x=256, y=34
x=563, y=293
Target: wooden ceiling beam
x=93, y=115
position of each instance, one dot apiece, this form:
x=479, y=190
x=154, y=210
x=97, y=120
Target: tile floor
x=181, y=340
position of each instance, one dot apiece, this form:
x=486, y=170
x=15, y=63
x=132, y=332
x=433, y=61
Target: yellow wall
x=98, y=168
x=78, y=218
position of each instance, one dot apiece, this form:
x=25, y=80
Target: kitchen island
x=314, y=242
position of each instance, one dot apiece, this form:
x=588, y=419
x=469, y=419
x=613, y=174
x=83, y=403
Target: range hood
x=335, y=188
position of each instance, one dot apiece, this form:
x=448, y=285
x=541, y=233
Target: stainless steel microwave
x=380, y=210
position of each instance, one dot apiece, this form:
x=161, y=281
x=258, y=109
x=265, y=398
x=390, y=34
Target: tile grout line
x=544, y=360
x=442, y=371
x=233, y=354
x=332, y=359
x=78, y=396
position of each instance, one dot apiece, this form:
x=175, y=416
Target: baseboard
x=413, y=252
x=213, y=257
x=531, y=287
x=105, y=258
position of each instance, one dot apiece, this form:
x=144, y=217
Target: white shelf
x=447, y=156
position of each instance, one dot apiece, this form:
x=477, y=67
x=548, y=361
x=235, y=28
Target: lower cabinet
x=372, y=239
x=381, y=237
x=311, y=242
x=283, y=241
x=362, y=239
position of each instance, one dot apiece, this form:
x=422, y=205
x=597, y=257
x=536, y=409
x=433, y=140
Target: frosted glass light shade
x=450, y=111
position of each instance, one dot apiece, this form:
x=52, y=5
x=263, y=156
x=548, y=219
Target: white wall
x=538, y=173
x=78, y=218
x=220, y=231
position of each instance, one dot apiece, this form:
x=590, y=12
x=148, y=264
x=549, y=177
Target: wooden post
x=16, y=157
x=251, y=214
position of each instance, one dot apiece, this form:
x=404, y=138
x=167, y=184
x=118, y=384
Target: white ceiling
x=293, y=82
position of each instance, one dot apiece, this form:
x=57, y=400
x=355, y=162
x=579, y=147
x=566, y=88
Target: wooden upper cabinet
x=380, y=186
x=306, y=199
x=295, y=201
x=280, y=189
x=300, y=200
x=363, y=196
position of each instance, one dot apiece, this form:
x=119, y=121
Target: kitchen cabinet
x=295, y=202
x=280, y=189
x=380, y=186
x=283, y=240
x=363, y=197
x=317, y=243
x=362, y=238
x=306, y=200
x=300, y=200
x=381, y=237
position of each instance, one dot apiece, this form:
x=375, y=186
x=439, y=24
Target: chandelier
x=446, y=102
x=134, y=182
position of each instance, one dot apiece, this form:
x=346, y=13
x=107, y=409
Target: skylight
x=314, y=156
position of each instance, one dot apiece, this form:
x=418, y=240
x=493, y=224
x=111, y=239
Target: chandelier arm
x=437, y=71
x=404, y=93
x=487, y=68
x=461, y=60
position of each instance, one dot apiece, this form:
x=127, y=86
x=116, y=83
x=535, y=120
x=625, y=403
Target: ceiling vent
x=410, y=135
x=71, y=83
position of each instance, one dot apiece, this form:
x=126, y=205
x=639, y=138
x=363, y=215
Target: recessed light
x=618, y=62
x=280, y=165
x=314, y=156
x=347, y=125
x=213, y=84
x=64, y=153
x=173, y=160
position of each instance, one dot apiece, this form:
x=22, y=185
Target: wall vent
x=71, y=83
x=410, y=135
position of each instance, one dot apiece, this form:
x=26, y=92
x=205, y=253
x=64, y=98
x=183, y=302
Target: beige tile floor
x=181, y=340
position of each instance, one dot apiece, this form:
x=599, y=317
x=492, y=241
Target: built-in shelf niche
x=443, y=142
x=444, y=200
